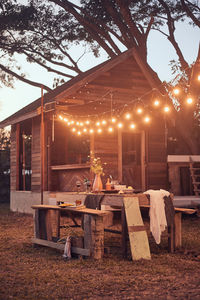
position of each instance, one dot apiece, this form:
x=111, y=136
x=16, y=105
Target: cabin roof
x=125, y=76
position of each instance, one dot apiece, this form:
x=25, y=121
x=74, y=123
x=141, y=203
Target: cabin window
x=68, y=148
x=25, y=142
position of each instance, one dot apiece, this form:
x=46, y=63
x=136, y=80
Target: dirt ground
x=41, y=273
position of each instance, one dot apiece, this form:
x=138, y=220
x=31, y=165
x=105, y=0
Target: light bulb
x=73, y=129
x=104, y=122
x=98, y=123
x=127, y=116
x=189, y=100
x=139, y=110
x=156, y=103
x=176, y=91
x=120, y=125
x=87, y=122
x=113, y=120
x=65, y=119
x=110, y=129
x=99, y=130
x=198, y=77
x=79, y=132
x=77, y=123
x=91, y=130
x=166, y=109
x=146, y=119
x=132, y=126
x=81, y=123
x=60, y=117
x=85, y=130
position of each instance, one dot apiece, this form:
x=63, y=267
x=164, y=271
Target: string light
x=139, y=110
x=120, y=125
x=146, y=119
x=73, y=129
x=113, y=120
x=110, y=129
x=198, y=77
x=65, y=119
x=79, y=132
x=156, y=103
x=99, y=130
x=91, y=131
x=104, y=122
x=128, y=116
x=132, y=126
x=189, y=100
x=98, y=123
x=166, y=109
x=176, y=91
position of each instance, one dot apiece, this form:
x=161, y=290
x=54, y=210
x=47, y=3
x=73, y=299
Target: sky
x=160, y=52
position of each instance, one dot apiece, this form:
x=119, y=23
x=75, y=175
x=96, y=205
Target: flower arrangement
x=96, y=166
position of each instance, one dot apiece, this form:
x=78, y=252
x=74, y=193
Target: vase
x=97, y=184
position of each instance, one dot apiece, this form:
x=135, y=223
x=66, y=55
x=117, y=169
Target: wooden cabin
x=47, y=158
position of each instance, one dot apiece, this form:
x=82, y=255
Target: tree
x=44, y=31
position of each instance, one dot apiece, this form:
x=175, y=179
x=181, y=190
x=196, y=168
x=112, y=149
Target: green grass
x=41, y=273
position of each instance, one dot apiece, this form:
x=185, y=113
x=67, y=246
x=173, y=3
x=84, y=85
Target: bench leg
x=124, y=236
x=94, y=235
x=178, y=230
x=42, y=221
x=171, y=238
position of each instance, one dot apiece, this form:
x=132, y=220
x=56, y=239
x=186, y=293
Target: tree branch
x=33, y=83
x=190, y=14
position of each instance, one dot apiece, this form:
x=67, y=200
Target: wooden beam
x=76, y=250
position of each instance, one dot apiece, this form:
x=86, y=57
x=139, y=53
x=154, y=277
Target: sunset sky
x=160, y=52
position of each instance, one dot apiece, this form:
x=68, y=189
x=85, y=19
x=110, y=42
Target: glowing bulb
x=72, y=122
x=146, y=119
x=156, y=103
x=98, y=123
x=198, y=77
x=104, y=122
x=69, y=123
x=166, y=108
x=60, y=117
x=139, y=110
x=65, y=119
x=99, y=130
x=91, y=130
x=73, y=129
x=176, y=91
x=113, y=120
x=189, y=100
x=84, y=130
x=132, y=126
x=81, y=123
x=77, y=123
x=120, y=125
x=128, y=116
x=110, y=129
x=79, y=133
x=87, y=122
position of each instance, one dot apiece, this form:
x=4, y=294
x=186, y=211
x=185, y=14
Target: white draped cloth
x=157, y=215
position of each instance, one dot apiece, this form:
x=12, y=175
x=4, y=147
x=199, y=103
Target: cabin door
x=133, y=156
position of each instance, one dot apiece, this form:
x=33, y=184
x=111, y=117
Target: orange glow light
x=189, y=100
x=156, y=103
x=132, y=126
x=110, y=129
x=127, y=116
x=146, y=119
x=166, y=109
x=176, y=91
x=120, y=125
x=139, y=110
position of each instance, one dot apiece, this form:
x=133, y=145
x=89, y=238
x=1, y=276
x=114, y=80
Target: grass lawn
x=41, y=273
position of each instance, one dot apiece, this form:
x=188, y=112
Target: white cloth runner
x=157, y=215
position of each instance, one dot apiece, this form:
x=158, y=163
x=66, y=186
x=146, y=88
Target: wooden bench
x=93, y=228
x=175, y=230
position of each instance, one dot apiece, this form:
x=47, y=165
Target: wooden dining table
x=112, y=200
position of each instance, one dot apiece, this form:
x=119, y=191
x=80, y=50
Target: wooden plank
x=178, y=230
x=89, y=211
x=119, y=155
x=76, y=250
x=138, y=239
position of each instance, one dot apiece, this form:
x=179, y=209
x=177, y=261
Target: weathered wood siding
x=156, y=155
x=36, y=158
x=13, y=159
